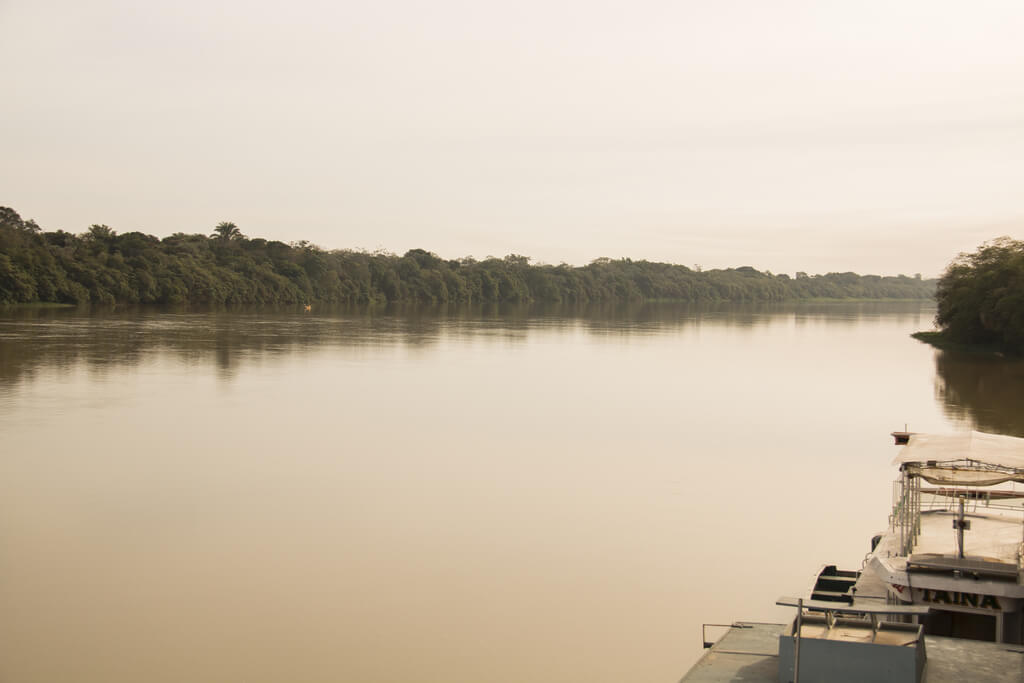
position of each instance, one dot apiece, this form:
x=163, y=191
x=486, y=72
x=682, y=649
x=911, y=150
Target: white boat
x=947, y=574
x=955, y=541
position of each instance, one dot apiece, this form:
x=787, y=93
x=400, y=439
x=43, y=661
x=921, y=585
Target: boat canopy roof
x=940, y=458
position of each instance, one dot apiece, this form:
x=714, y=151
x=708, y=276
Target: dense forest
x=981, y=298
x=100, y=266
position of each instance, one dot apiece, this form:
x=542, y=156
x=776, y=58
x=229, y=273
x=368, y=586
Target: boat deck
x=994, y=534
x=870, y=590
x=749, y=652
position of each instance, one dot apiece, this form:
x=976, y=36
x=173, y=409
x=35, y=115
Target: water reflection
x=985, y=390
x=500, y=494
x=60, y=338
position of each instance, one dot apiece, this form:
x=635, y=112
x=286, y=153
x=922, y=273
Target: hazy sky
x=818, y=135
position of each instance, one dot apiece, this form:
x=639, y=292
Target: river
x=520, y=494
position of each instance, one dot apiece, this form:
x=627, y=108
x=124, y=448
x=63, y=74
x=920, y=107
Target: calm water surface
x=516, y=495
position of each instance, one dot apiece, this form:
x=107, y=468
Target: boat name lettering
x=963, y=599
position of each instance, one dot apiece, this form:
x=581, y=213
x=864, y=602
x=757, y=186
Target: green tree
x=981, y=296
x=226, y=231
x=102, y=266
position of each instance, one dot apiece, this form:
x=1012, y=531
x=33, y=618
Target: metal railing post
x=796, y=644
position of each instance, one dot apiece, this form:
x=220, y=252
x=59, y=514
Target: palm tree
x=226, y=230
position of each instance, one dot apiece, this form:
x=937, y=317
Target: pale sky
x=828, y=135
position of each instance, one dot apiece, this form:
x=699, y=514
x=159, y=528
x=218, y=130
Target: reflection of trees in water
x=62, y=339
x=987, y=391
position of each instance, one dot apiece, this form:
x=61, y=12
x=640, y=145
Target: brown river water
x=522, y=494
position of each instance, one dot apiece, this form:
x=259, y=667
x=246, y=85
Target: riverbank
x=101, y=266
x=941, y=340
x=35, y=304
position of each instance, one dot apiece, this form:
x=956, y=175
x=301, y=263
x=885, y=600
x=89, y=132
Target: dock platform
x=748, y=652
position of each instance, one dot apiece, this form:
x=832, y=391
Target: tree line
x=101, y=266
x=980, y=298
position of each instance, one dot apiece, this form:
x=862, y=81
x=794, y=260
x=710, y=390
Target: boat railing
x=974, y=501
x=905, y=519
x=910, y=499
